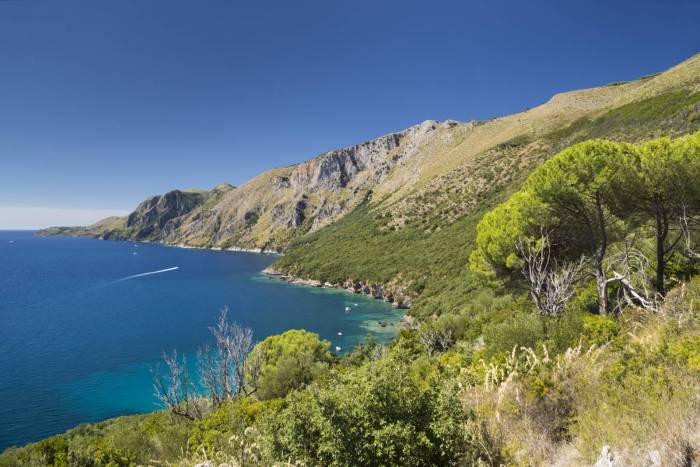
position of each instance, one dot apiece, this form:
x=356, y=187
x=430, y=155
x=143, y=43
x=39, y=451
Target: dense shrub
x=289, y=361
x=214, y=431
x=521, y=329
x=377, y=415
x=598, y=329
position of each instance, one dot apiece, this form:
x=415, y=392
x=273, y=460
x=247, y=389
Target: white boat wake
x=146, y=274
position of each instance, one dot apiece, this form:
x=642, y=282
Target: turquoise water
x=79, y=335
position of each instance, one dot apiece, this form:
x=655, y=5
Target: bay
x=83, y=322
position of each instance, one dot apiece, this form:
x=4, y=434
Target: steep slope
x=394, y=216
x=286, y=202
x=153, y=218
x=413, y=236
x=278, y=205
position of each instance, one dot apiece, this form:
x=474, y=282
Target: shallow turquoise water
x=79, y=336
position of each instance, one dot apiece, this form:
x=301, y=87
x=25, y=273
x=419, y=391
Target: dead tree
x=551, y=285
x=629, y=268
x=175, y=388
x=226, y=370
x=434, y=339
x=688, y=224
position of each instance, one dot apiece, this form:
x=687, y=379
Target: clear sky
x=104, y=103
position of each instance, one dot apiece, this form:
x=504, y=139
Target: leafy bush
x=289, y=361
x=377, y=415
x=563, y=332
x=686, y=352
x=214, y=431
x=518, y=330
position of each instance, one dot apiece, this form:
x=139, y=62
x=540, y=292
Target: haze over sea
x=79, y=335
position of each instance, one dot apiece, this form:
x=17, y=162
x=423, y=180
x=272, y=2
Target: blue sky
x=105, y=103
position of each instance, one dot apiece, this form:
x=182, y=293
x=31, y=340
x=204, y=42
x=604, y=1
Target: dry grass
x=628, y=395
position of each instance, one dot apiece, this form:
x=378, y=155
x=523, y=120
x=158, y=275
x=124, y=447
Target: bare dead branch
x=175, y=388
x=225, y=371
x=551, y=285
x=687, y=225
x=435, y=340
x=633, y=279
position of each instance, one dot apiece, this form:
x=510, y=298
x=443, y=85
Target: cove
x=83, y=322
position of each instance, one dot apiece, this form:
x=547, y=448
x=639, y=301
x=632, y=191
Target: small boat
x=355, y=304
x=347, y=308
x=340, y=333
x=134, y=253
x=10, y=241
x=337, y=349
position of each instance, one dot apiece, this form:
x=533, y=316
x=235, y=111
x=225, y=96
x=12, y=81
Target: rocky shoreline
x=396, y=296
x=262, y=251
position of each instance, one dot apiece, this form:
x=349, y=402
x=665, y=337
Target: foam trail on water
x=146, y=274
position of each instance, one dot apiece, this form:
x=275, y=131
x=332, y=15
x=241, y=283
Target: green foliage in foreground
x=389, y=412
x=507, y=387
x=535, y=389
x=289, y=361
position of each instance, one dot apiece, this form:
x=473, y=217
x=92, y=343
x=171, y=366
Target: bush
x=289, y=361
x=563, y=331
x=379, y=414
x=213, y=432
x=518, y=330
x=598, y=330
x=686, y=352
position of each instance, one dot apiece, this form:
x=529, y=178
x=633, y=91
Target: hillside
x=394, y=216
x=485, y=374
x=413, y=235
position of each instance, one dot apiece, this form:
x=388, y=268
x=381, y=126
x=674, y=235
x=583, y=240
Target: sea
x=83, y=322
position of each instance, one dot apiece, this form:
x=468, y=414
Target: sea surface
x=82, y=323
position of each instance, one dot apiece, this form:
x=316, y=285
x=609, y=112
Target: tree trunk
x=602, y=288
x=661, y=234
x=660, y=262
x=601, y=280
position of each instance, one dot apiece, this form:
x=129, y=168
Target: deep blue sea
x=79, y=336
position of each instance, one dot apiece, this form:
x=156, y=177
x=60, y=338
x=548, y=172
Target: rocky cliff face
x=153, y=215
x=278, y=205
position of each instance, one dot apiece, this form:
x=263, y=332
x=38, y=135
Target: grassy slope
x=429, y=255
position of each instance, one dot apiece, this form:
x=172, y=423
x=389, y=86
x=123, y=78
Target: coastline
x=261, y=251
x=376, y=318
x=398, y=301
x=396, y=297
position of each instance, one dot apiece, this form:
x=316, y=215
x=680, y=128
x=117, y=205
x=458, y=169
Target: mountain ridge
x=425, y=185
x=285, y=202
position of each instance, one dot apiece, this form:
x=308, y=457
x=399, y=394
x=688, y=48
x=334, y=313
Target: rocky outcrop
x=276, y=206
x=152, y=215
x=396, y=295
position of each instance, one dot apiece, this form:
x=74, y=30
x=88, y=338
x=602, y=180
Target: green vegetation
x=429, y=258
x=489, y=374
x=289, y=361
x=536, y=390
x=670, y=114
x=590, y=196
